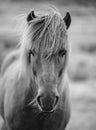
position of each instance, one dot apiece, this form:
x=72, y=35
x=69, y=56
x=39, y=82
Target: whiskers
x=33, y=103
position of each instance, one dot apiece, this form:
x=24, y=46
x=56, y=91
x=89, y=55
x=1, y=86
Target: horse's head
x=48, y=53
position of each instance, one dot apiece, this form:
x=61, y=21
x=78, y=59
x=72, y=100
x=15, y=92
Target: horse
x=34, y=87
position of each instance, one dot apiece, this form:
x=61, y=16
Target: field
x=82, y=59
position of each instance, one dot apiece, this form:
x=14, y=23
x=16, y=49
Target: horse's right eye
x=32, y=52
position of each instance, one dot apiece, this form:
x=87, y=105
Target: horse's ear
x=31, y=16
x=67, y=20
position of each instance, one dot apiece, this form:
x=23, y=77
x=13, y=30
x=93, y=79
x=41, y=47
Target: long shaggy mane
x=45, y=34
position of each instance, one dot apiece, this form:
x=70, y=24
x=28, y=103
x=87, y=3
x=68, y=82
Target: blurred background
x=82, y=42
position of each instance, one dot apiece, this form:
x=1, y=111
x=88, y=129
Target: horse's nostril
x=47, y=103
x=39, y=100
x=56, y=100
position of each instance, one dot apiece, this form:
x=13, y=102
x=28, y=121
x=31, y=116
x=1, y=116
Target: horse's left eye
x=62, y=52
x=31, y=53
x=60, y=72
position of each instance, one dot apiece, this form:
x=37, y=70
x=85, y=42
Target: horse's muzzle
x=47, y=103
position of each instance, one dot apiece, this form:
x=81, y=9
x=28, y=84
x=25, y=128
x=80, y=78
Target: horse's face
x=48, y=75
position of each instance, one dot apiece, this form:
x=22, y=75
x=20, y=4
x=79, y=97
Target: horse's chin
x=49, y=113
x=46, y=111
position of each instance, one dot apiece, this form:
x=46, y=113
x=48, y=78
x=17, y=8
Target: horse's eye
x=62, y=52
x=32, y=52
x=60, y=72
x=34, y=72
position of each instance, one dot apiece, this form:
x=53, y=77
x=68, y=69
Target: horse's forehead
x=43, y=60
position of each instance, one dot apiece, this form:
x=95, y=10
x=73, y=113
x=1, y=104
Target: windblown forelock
x=48, y=33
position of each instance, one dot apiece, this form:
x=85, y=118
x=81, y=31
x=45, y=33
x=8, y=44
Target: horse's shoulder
x=15, y=94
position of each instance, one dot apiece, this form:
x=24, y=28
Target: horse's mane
x=10, y=58
x=45, y=34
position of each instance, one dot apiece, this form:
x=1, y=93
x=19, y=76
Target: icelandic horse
x=34, y=89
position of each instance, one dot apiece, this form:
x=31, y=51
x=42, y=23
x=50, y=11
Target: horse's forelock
x=46, y=33
x=49, y=34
